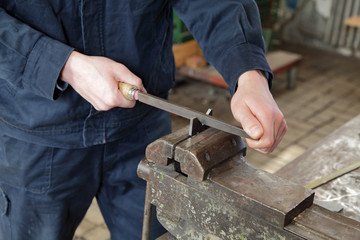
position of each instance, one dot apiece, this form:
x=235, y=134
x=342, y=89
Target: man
x=67, y=133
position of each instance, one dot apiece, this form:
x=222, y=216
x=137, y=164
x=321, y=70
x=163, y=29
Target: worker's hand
x=96, y=80
x=254, y=107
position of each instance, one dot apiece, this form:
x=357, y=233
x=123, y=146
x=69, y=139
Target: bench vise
x=203, y=189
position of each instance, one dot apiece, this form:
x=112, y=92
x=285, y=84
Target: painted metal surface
x=319, y=223
x=216, y=195
x=189, y=209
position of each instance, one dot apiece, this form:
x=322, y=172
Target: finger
x=124, y=102
x=118, y=100
x=126, y=76
x=250, y=123
x=263, y=150
x=267, y=139
x=115, y=98
x=123, y=74
x=280, y=135
x=277, y=139
x=278, y=128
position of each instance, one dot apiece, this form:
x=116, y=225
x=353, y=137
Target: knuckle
x=104, y=107
x=98, y=107
x=233, y=104
x=281, y=117
x=120, y=66
x=285, y=127
x=137, y=81
x=251, y=145
x=108, y=103
x=240, y=118
x=274, y=113
x=267, y=143
x=241, y=115
x=128, y=104
x=267, y=151
x=268, y=112
x=263, y=150
x=107, y=108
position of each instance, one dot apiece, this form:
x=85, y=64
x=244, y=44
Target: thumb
x=251, y=124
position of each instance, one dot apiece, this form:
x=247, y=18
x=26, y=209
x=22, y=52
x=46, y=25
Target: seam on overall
x=101, y=26
x=4, y=204
x=4, y=214
x=81, y=8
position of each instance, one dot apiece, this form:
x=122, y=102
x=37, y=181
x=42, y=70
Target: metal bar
x=148, y=209
x=320, y=181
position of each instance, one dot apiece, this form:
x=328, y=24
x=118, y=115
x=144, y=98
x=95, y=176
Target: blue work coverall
x=56, y=151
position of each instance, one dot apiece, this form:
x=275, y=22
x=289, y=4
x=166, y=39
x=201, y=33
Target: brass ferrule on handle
x=128, y=90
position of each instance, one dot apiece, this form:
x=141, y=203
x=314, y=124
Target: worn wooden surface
x=339, y=149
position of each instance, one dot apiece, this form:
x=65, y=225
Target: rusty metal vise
x=203, y=189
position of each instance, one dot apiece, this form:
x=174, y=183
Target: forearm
x=231, y=42
x=28, y=58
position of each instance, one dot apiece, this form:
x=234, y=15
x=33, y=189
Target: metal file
x=133, y=93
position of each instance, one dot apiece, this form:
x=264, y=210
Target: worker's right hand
x=96, y=80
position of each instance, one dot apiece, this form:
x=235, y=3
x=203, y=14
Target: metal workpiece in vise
x=203, y=188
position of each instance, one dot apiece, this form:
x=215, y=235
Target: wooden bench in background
x=283, y=61
x=188, y=64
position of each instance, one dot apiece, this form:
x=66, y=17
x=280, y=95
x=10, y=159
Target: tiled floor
x=327, y=95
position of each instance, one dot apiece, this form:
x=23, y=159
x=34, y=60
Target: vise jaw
x=203, y=189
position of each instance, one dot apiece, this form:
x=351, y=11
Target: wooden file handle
x=128, y=90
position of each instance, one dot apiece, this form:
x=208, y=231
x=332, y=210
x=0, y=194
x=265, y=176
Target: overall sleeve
x=29, y=59
x=229, y=33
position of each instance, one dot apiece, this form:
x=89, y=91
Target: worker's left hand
x=255, y=108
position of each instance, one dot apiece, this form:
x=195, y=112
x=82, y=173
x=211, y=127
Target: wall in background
x=320, y=23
